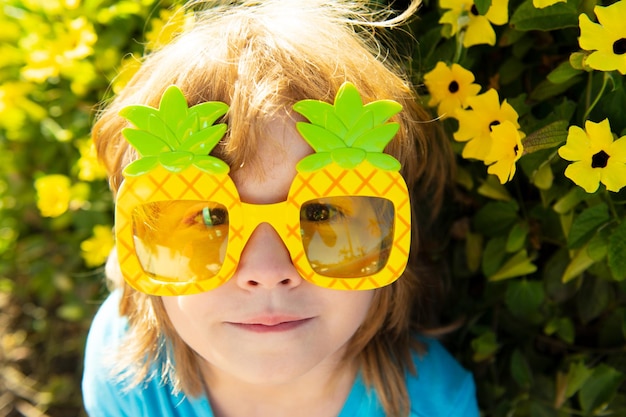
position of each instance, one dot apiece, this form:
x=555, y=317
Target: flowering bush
x=531, y=93
x=538, y=249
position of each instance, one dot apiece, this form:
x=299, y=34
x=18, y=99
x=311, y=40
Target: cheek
x=185, y=312
x=351, y=308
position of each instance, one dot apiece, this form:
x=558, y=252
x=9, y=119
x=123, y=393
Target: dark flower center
x=453, y=87
x=619, y=46
x=474, y=10
x=492, y=124
x=599, y=160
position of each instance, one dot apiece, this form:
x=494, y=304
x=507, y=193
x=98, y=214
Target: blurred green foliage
x=537, y=265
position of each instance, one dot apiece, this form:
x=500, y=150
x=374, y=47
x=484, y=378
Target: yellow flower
x=164, y=28
x=89, y=167
x=607, y=39
x=506, y=149
x=542, y=4
x=596, y=157
x=53, y=194
x=16, y=109
x=463, y=16
x=58, y=49
x=475, y=124
x=449, y=88
x=96, y=249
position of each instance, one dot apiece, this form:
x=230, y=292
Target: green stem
x=605, y=80
x=460, y=35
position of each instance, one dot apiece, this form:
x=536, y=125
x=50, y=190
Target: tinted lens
x=347, y=237
x=180, y=240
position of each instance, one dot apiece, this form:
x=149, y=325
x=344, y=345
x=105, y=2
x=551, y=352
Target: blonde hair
x=260, y=58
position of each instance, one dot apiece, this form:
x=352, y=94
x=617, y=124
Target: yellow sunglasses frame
x=191, y=184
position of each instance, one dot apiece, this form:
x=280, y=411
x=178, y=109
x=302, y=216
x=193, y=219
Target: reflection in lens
x=347, y=237
x=180, y=240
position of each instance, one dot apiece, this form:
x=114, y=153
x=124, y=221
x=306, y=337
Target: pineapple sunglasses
x=181, y=227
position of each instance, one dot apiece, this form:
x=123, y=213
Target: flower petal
x=607, y=61
x=479, y=31
x=577, y=147
x=599, y=134
x=477, y=148
x=618, y=150
x=614, y=175
x=502, y=170
x=583, y=175
x=592, y=35
x=612, y=18
x=498, y=13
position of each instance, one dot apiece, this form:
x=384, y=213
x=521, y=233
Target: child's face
x=266, y=324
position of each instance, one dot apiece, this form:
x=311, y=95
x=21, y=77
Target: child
x=268, y=278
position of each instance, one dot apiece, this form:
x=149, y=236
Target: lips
x=271, y=324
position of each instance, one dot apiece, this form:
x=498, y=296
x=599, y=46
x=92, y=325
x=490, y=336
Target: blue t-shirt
x=440, y=388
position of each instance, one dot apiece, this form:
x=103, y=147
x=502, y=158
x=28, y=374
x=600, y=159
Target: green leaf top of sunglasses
x=175, y=135
x=348, y=132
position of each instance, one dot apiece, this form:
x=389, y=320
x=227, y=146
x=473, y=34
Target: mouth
x=271, y=324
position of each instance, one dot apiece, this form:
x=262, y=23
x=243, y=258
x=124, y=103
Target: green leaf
x=176, y=161
x=320, y=139
x=593, y=298
x=586, y=224
x=598, y=246
x=314, y=162
x=543, y=177
x=382, y=110
x=139, y=115
x=563, y=327
x=517, y=237
x=577, y=265
x=547, y=89
x=321, y=114
x=524, y=297
x=383, y=161
x=496, y=217
x=570, y=200
x=558, y=16
x=203, y=141
x=617, y=252
x=549, y=136
x=348, y=104
x=377, y=138
x=492, y=188
x=520, y=369
x=348, y=158
x=482, y=6
x=577, y=375
x=484, y=346
x=187, y=127
x=563, y=72
x=599, y=389
x=173, y=107
x=158, y=127
x=208, y=112
x=210, y=164
x=361, y=126
x=145, y=143
x=141, y=166
x=518, y=265
x=493, y=255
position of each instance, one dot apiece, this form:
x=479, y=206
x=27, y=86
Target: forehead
x=267, y=176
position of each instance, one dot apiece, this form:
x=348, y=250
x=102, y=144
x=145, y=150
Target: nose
x=265, y=262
